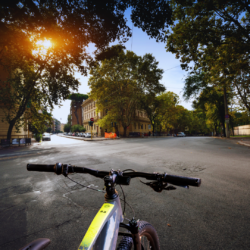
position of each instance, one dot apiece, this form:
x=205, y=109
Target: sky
x=140, y=44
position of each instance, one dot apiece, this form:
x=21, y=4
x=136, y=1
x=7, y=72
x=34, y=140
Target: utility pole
x=226, y=112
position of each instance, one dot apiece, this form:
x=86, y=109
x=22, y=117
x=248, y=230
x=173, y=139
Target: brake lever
x=159, y=186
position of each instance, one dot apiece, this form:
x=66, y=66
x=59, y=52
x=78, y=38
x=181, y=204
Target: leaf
x=169, y=225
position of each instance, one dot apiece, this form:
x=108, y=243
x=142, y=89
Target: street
x=43, y=205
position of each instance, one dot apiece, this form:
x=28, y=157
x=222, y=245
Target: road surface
x=43, y=205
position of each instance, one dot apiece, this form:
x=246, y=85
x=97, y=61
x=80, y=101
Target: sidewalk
x=245, y=141
x=88, y=139
x=15, y=150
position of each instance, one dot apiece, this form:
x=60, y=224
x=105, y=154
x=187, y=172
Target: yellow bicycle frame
x=103, y=231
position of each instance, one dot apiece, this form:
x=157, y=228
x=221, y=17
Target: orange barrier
x=110, y=135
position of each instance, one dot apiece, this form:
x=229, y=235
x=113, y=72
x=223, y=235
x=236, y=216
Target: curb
x=83, y=139
x=243, y=144
x=233, y=139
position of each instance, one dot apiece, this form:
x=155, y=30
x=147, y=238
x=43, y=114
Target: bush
x=78, y=128
x=38, y=137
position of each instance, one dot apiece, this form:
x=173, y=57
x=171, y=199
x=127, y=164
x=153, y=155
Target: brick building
x=76, y=113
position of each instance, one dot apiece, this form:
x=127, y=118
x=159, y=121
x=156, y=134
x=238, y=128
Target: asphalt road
x=42, y=205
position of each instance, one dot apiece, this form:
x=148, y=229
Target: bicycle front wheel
x=148, y=236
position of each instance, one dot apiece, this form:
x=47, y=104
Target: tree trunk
x=125, y=131
x=76, y=114
x=226, y=112
x=11, y=126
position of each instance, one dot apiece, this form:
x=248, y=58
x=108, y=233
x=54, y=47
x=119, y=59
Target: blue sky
x=173, y=77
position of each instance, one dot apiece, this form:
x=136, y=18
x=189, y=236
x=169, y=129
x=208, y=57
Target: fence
x=15, y=141
x=242, y=130
x=110, y=135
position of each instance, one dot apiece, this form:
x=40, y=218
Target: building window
x=135, y=125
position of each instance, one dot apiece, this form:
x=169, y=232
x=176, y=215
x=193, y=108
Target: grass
x=240, y=136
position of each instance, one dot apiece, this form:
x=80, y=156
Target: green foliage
x=166, y=110
x=48, y=75
x=119, y=84
x=38, y=137
x=213, y=37
x=49, y=130
x=77, y=128
x=78, y=97
x=209, y=99
x=67, y=128
x=105, y=122
x=69, y=120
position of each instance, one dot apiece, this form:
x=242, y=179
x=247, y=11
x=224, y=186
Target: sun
x=44, y=43
x=42, y=47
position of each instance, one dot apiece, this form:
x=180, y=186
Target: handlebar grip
x=41, y=167
x=182, y=180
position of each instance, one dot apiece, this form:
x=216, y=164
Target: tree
x=119, y=84
x=206, y=96
x=76, y=102
x=166, y=110
x=77, y=128
x=150, y=104
x=214, y=36
x=49, y=130
x=69, y=26
x=202, y=26
x=67, y=128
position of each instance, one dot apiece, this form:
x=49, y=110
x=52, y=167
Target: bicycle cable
x=124, y=200
x=86, y=186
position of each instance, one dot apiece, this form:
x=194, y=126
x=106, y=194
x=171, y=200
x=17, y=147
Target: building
x=23, y=131
x=62, y=127
x=56, y=125
x=140, y=124
x=76, y=113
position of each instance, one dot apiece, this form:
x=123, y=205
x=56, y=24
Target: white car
x=46, y=137
x=87, y=135
x=180, y=134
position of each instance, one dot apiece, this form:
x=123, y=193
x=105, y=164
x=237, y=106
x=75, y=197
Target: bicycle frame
x=103, y=231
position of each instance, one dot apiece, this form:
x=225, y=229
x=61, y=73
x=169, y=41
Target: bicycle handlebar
x=41, y=167
x=65, y=169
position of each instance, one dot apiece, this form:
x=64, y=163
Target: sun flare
x=45, y=44
x=42, y=47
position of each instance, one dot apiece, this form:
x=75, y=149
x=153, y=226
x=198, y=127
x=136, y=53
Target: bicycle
x=103, y=232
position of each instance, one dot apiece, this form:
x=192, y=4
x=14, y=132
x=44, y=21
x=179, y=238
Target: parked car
x=69, y=133
x=46, y=137
x=73, y=134
x=87, y=135
x=180, y=134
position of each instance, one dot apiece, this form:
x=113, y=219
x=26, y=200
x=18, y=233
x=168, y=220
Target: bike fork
x=134, y=229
